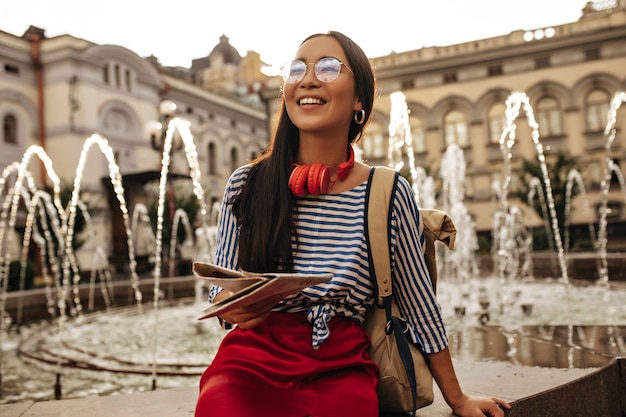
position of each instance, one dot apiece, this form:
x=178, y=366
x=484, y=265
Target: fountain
x=511, y=299
x=55, y=240
x=137, y=347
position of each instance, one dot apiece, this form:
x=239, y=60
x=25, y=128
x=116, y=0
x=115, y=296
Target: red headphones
x=315, y=179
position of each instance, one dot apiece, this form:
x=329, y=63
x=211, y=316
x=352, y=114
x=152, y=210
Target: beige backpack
x=406, y=383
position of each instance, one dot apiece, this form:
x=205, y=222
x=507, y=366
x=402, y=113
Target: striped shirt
x=331, y=239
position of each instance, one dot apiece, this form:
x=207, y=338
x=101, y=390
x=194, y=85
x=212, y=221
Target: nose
x=309, y=75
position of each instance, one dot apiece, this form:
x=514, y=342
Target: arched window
x=9, y=129
x=212, y=158
x=469, y=187
x=419, y=137
x=596, y=109
x=234, y=159
x=548, y=116
x=497, y=122
x=496, y=183
x=373, y=142
x=117, y=121
x=455, y=129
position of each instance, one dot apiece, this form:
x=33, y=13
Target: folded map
x=249, y=288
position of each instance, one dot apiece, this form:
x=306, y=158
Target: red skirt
x=273, y=371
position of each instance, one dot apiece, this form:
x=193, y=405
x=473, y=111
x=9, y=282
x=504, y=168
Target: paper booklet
x=248, y=287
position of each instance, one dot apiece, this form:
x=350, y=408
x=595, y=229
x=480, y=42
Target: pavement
x=507, y=381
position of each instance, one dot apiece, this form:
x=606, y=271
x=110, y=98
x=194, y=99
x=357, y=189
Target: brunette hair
x=264, y=208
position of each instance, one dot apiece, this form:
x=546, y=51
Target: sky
x=177, y=32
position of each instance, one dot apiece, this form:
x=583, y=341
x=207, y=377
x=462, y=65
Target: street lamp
x=157, y=129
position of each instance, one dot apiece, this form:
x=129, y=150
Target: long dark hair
x=265, y=207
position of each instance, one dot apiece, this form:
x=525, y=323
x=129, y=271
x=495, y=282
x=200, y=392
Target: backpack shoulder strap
x=438, y=226
x=380, y=191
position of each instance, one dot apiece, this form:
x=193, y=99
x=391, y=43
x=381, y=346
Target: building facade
x=58, y=92
x=457, y=95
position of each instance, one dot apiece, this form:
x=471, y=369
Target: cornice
x=499, y=49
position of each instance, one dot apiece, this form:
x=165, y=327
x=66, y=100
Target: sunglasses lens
x=293, y=71
x=327, y=69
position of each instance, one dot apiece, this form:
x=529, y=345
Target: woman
x=300, y=208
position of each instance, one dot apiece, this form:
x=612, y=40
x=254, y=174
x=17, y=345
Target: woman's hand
x=470, y=406
x=251, y=315
x=463, y=405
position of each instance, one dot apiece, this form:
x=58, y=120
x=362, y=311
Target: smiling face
x=317, y=107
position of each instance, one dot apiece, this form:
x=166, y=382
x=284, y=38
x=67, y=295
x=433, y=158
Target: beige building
x=456, y=95
x=57, y=92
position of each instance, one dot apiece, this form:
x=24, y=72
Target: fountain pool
x=106, y=354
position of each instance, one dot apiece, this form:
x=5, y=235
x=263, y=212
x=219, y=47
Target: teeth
x=310, y=100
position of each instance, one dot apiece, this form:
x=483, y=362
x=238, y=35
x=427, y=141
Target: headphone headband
x=344, y=168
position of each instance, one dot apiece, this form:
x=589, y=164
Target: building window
x=419, y=137
x=9, y=129
x=449, y=78
x=549, y=117
x=128, y=80
x=212, y=159
x=496, y=183
x=116, y=72
x=11, y=69
x=455, y=129
x=494, y=70
x=117, y=75
x=592, y=54
x=596, y=110
x=497, y=122
x=373, y=143
x=234, y=159
x=469, y=187
x=614, y=209
x=407, y=85
x=514, y=185
x=542, y=62
x=615, y=178
x=595, y=173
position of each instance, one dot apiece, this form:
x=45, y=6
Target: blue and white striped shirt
x=331, y=235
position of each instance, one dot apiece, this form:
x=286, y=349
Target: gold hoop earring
x=359, y=117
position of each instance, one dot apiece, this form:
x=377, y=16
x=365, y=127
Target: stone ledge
x=517, y=384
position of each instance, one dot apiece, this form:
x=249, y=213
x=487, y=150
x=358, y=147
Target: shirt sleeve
x=227, y=244
x=411, y=280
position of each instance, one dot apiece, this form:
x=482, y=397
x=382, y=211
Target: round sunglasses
x=326, y=70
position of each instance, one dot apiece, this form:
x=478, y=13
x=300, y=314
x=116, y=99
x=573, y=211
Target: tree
x=558, y=166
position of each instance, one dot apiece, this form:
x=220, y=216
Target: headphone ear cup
x=324, y=180
x=298, y=180
x=319, y=178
